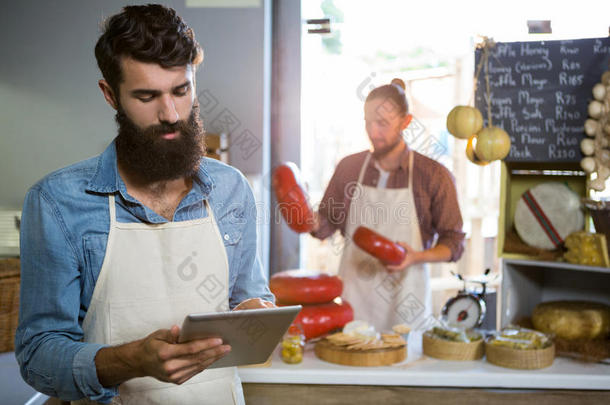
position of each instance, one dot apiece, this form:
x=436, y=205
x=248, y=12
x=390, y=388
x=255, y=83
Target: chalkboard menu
x=539, y=94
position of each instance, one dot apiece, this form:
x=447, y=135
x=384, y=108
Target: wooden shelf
x=556, y=265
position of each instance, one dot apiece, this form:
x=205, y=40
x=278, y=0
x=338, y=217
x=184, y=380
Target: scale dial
x=464, y=311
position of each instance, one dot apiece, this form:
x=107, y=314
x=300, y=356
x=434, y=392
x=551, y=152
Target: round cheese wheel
x=378, y=246
x=291, y=197
x=319, y=319
x=305, y=287
x=546, y=214
x=573, y=320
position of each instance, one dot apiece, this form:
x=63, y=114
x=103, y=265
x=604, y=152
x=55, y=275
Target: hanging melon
x=471, y=155
x=493, y=143
x=464, y=121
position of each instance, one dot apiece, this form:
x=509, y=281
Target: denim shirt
x=64, y=231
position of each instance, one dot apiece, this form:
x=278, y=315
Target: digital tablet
x=252, y=333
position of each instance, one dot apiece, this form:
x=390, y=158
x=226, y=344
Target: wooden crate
x=516, y=178
x=9, y=302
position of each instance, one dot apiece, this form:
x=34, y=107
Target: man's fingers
x=212, y=353
x=178, y=364
x=191, y=348
x=175, y=332
x=187, y=361
x=176, y=367
x=184, y=374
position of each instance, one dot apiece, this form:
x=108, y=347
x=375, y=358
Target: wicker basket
x=447, y=350
x=520, y=359
x=9, y=303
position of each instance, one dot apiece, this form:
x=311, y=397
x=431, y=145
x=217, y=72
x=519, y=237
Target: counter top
x=417, y=370
x=420, y=370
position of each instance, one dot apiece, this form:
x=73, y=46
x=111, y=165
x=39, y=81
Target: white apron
x=151, y=277
x=378, y=297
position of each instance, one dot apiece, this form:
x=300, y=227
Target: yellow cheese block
x=587, y=248
x=572, y=320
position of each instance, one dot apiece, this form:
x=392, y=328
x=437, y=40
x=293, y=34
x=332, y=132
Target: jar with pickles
x=293, y=345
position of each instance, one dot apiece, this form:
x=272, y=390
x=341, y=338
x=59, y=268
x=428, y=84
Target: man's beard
x=145, y=154
x=384, y=150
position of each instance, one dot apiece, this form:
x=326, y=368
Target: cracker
x=393, y=339
x=401, y=329
x=341, y=339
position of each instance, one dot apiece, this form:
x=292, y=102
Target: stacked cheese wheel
x=323, y=310
x=597, y=127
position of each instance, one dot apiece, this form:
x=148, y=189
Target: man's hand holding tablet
x=159, y=355
x=252, y=330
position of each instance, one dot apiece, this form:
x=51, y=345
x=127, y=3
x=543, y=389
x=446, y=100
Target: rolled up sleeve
x=446, y=216
x=48, y=346
x=85, y=375
x=333, y=209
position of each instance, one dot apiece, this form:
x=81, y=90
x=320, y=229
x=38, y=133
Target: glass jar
x=293, y=345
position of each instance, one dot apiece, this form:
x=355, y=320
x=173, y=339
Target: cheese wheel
x=305, y=287
x=378, y=246
x=546, y=214
x=292, y=199
x=319, y=319
x=573, y=320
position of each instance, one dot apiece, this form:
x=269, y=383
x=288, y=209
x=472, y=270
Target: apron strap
x=368, y=158
x=112, y=209
x=410, y=169
x=364, y=166
x=208, y=208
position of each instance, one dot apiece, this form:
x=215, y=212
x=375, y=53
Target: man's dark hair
x=151, y=33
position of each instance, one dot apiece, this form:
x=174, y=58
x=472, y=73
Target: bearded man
x=117, y=249
x=406, y=197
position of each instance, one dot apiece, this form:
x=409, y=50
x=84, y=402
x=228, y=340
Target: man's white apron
x=151, y=277
x=381, y=298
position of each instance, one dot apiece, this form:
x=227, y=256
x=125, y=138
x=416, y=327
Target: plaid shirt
x=434, y=192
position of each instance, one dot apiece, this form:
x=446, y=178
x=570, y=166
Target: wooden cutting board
x=363, y=358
